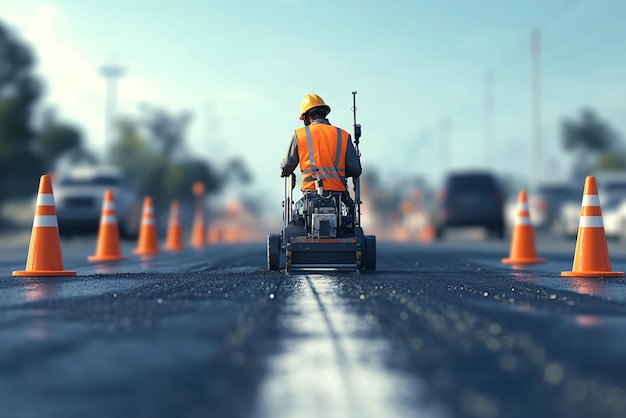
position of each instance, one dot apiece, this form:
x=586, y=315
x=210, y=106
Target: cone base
x=174, y=248
x=44, y=273
x=592, y=273
x=523, y=260
x=106, y=258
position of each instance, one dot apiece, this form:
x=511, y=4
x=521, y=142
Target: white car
x=611, y=216
x=544, y=205
x=78, y=195
x=567, y=220
x=612, y=194
x=619, y=220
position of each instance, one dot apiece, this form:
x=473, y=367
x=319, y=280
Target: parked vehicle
x=612, y=216
x=612, y=194
x=544, y=205
x=79, y=193
x=567, y=220
x=470, y=198
x=549, y=199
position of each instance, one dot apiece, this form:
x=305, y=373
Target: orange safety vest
x=322, y=151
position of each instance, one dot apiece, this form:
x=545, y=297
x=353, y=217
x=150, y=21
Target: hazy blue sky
x=243, y=66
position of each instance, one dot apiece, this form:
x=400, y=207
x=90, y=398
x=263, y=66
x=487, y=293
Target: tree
x=57, y=139
x=609, y=161
x=595, y=142
x=131, y=153
x=164, y=175
x=19, y=92
x=590, y=133
x=166, y=131
x=236, y=171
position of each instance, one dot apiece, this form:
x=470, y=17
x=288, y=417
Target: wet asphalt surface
x=439, y=330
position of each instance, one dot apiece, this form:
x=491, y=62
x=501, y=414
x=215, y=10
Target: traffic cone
x=523, y=249
x=592, y=256
x=213, y=235
x=108, y=245
x=148, y=243
x=198, y=232
x=174, y=240
x=44, y=252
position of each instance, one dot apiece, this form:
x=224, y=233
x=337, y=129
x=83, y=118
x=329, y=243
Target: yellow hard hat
x=309, y=102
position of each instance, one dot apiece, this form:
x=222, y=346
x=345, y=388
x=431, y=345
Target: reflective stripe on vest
x=320, y=148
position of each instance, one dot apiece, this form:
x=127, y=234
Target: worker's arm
x=353, y=162
x=291, y=160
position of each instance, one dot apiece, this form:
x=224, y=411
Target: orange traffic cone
x=108, y=246
x=427, y=233
x=592, y=256
x=523, y=249
x=174, y=241
x=198, y=232
x=44, y=252
x=148, y=243
x=213, y=235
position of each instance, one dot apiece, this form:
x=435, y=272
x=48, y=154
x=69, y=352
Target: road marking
x=332, y=362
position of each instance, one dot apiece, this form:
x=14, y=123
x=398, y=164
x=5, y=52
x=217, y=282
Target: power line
x=602, y=18
x=577, y=35
x=558, y=14
x=516, y=60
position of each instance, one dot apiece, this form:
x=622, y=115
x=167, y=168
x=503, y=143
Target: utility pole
x=488, y=117
x=535, y=64
x=111, y=74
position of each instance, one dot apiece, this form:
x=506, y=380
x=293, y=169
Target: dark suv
x=471, y=198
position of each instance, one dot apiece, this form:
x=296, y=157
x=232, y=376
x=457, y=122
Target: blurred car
x=611, y=216
x=470, y=198
x=612, y=194
x=619, y=223
x=78, y=195
x=544, y=205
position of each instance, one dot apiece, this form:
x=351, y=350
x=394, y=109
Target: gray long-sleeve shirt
x=292, y=159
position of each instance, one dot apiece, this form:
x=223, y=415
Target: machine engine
x=322, y=216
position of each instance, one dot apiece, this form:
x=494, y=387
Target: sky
x=421, y=70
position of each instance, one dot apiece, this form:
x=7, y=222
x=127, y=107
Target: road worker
x=324, y=152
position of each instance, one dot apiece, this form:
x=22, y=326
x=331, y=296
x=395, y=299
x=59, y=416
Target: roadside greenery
x=150, y=147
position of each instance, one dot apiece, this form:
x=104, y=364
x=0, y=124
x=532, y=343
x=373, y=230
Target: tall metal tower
x=112, y=73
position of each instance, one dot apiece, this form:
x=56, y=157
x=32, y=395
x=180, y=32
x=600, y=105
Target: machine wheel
x=369, y=255
x=273, y=251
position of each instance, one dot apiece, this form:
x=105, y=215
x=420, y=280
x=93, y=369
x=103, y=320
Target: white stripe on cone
x=45, y=220
x=45, y=199
x=591, y=200
x=591, y=222
x=109, y=219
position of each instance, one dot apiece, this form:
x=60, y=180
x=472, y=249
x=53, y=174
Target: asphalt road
x=439, y=330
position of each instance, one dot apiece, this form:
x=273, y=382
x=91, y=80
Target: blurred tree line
x=595, y=144
x=151, y=148
x=26, y=151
